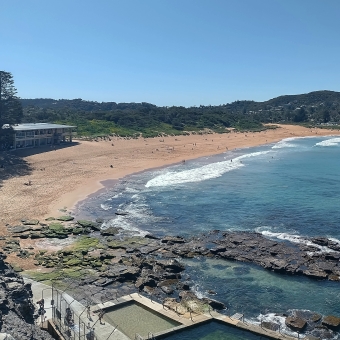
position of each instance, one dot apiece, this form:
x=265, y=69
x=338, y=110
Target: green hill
x=94, y=118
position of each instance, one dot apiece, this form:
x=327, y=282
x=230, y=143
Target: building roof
x=38, y=126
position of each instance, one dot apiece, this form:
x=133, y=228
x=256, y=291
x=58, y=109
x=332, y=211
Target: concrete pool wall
x=187, y=320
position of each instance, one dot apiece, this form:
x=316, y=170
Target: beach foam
x=284, y=143
x=329, y=142
x=203, y=173
x=126, y=225
x=106, y=206
x=274, y=318
x=295, y=239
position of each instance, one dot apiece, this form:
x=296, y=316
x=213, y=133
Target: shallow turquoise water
x=213, y=331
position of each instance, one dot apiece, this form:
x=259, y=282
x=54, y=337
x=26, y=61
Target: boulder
x=19, y=229
x=321, y=241
x=317, y=274
x=111, y=231
x=145, y=281
x=167, y=290
x=30, y=222
x=214, y=304
x=296, y=323
x=333, y=277
x=331, y=322
x=89, y=224
x=173, y=239
x=152, y=237
x=171, y=265
x=270, y=325
x=65, y=218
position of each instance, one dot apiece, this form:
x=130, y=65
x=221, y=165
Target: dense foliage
x=93, y=118
x=10, y=109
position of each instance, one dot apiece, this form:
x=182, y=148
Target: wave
x=124, y=224
x=275, y=319
x=106, y=206
x=296, y=239
x=284, y=144
x=329, y=142
x=203, y=173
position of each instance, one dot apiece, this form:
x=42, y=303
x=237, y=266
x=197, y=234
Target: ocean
x=289, y=190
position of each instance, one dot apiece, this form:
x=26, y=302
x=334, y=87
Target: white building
x=31, y=135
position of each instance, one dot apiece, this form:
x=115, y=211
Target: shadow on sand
x=13, y=164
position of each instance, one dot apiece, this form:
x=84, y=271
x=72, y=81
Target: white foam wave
x=334, y=240
x=115, y=196
x=329, y=142
x=203, y=173
x=126, y=225
x=131, y=190
x=276, y=319
x=295, y=239
x=282, y=144
x=106, y=206
x=198, y=292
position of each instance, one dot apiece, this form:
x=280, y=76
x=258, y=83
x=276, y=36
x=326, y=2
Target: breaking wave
x=203, y=173
x=329, y=142
x=295, y=239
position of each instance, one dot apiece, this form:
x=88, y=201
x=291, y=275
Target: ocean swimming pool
x=213, y=330
x=132, y=318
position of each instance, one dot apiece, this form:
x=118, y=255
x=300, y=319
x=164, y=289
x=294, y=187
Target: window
x=20, y=135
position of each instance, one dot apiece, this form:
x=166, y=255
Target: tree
x=10, y=109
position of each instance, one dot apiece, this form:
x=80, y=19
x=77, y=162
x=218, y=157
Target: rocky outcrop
x=89, y=224
x=331, y=322
x=284, y=257
x=296, y=323
x=16, y=308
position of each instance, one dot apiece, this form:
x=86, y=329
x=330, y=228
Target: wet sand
x=62, y=177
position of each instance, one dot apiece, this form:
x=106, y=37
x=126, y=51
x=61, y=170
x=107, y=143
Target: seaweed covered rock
x=65, y=218
x=89, y=224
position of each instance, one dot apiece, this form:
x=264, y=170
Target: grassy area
x=56, y=275
x=101, y=128
x=85, y=243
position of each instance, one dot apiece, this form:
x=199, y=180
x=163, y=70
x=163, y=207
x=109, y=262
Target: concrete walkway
x=106, y=331
x=83, y=324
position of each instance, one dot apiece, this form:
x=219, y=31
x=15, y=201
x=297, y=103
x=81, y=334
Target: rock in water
x=89, y=224
x=331, y=322
x=295, y=323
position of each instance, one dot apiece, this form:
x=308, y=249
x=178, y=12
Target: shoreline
x=106, y=183
x=72, y=174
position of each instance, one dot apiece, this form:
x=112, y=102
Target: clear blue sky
x=170, y=52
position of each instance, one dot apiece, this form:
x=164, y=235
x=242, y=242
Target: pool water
x=133, y=318
x=213, y=331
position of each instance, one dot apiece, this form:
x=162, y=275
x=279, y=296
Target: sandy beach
x=60, y=178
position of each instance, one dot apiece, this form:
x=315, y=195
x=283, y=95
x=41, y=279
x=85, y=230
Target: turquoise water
x=289, y=190
x=213, y=331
